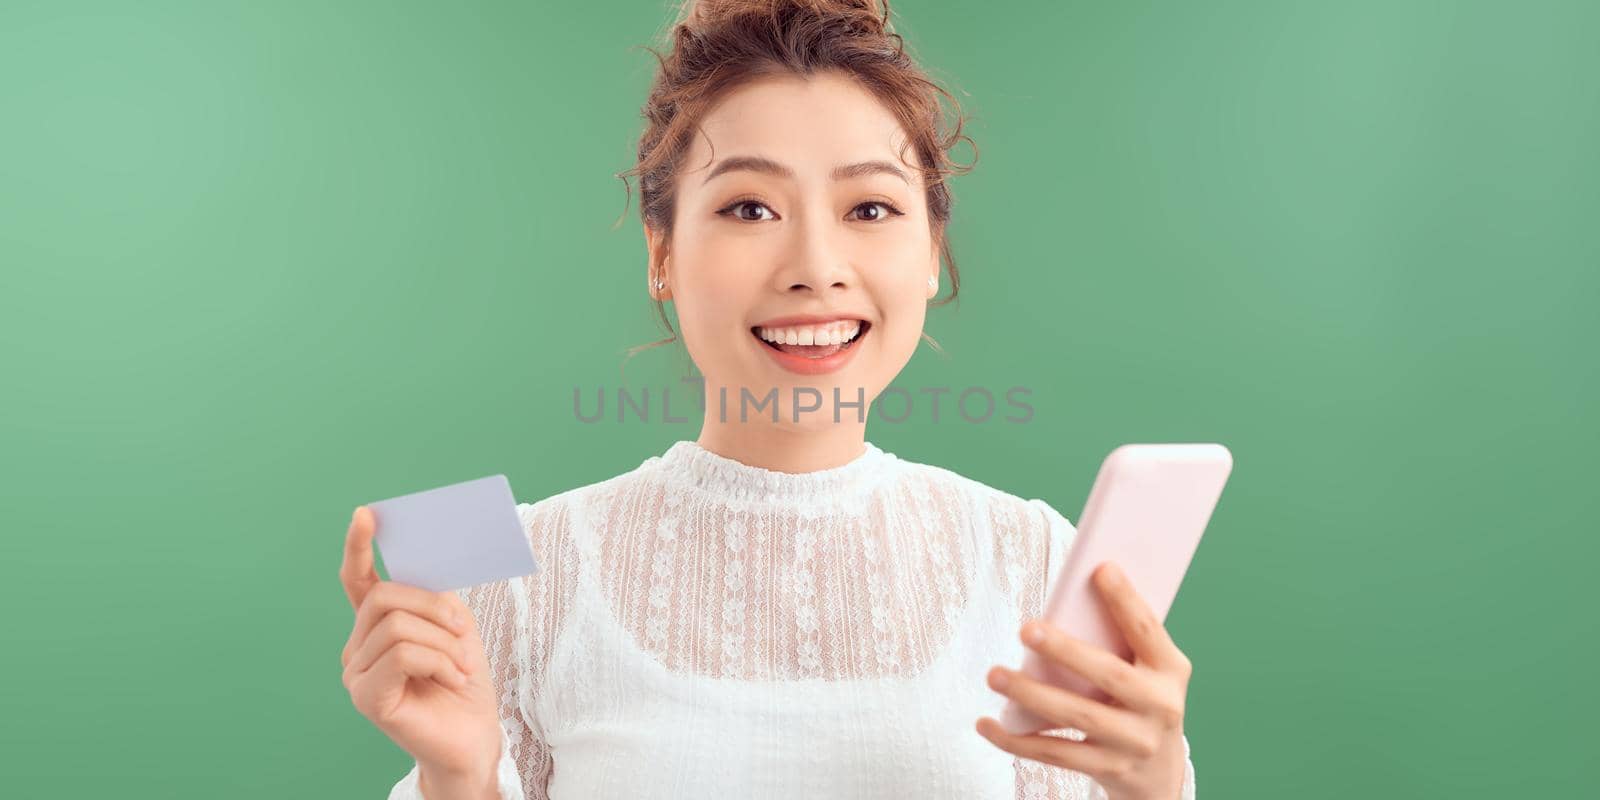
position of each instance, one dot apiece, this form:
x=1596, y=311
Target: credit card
x=454, y=536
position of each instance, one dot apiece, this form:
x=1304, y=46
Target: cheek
x=905, y=330
x=703, y=322
x=718, y=272
x=710, y=309
x=903, y=299
x=903, y=305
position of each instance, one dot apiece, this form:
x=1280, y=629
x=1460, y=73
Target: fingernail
x=1000, y=679
x=1033, y=633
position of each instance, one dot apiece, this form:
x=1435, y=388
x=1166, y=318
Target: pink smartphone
x=1148, y=507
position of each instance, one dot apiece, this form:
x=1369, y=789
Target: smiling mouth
x=814, y=350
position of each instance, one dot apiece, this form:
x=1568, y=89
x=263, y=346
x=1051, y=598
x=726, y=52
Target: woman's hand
x=1134, y=746
x=415, y=667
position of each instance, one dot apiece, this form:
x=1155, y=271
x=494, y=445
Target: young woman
x=778, y=608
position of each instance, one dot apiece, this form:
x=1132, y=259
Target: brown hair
x=717, y=44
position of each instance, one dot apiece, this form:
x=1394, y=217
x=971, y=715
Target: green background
x=261, y=262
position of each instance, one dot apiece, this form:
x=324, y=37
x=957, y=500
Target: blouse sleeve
x=1037, y=780
x=516, y=646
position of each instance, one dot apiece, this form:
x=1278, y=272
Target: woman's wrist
x=437, y=783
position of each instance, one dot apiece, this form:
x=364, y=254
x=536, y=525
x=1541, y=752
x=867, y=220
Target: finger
x=444, y=609
x=404, y=626
x=1128, y=683
x=377, y=690
x=1115, y=728
x=357, y=572
x=1086, y=757
x=409, y=660
x=1145, y=634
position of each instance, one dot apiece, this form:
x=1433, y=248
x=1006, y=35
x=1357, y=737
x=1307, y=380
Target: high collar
x=689, y=462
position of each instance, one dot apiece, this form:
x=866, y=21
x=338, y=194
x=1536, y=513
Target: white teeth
x=832, y=333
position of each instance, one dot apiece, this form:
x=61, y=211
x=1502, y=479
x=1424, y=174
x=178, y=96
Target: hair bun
x=871, y=16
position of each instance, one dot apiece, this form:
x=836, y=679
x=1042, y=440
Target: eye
x=891, y=210
x=740, y=204
x=735, y=209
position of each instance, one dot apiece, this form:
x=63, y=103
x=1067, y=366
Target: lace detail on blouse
x=701, y=627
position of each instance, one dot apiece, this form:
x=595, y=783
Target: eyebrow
x=767, y=165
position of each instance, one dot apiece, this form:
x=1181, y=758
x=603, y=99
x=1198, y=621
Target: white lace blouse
x=700, y=627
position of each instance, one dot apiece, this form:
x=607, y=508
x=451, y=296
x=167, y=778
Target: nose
x=816, y=265
x=819, y=278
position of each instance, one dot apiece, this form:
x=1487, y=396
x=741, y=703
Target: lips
x=813, y=350
x=813, y=359
x=806, y=319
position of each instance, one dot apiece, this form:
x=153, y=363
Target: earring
x=660, y=284
x=933, y=283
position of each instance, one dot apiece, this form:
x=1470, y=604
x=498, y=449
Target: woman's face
x=753, y=246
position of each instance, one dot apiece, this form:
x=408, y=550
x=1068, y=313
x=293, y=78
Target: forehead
x=811, y=124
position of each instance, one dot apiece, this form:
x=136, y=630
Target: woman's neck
x=783, y=448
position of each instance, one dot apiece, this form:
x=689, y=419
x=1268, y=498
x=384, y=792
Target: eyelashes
x=728, y=210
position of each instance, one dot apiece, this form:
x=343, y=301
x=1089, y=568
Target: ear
x=656, y=262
